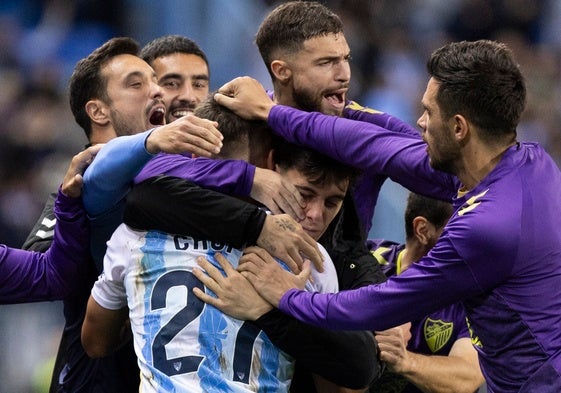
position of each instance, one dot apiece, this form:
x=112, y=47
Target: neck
x=282, y=95
x=478, y=161
x=408, y=257
x=101, y=135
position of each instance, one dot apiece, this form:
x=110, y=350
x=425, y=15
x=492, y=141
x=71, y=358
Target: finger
x=293, y=261
x=206, y=297
x=210, y=269
x=248, y=266
x=306, y=272
x=207, y=281
x=224, y=98
x=273, y=206
x=292, y=198
x=290, y=206
x=199, y=141
x=208, y=150
x=309, y=247
x=224, y=263
x=263, y=254
x=204, y=128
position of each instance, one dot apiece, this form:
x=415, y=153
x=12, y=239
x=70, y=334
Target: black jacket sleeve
x=346, y=244
x=346, y=358
x=175, y=205
x=42, y=234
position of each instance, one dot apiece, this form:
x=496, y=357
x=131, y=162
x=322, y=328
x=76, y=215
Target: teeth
x=180, y=113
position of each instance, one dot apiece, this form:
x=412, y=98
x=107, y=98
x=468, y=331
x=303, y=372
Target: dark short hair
x=290, y=24
x=318, y=168
x=437, y=212
x=481, y=81
x=170, y=44
x=237, y=131
x=87, y=82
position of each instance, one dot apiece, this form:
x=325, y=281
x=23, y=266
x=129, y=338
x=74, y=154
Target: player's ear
x=421, y=229
x=98, y=112
x=461, y=127
x=281, y=70
x=271, y=161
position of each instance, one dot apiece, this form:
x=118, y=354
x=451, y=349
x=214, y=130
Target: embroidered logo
x=437, y=333
x=471, y=203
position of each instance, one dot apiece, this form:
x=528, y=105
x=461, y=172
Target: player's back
x=184, y=344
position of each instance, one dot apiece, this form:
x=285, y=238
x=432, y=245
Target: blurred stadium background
x=40, y=41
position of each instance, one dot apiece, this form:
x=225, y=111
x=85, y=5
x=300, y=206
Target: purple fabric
x=233, y=177
x=500, y=253
x=30, y=276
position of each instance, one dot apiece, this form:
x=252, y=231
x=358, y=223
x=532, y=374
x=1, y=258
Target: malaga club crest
x=437, y=333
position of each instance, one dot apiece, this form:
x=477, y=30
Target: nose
x=343, y=71
x=186, y=94
x=314, y=211
x=422, y=122
x=156, y=91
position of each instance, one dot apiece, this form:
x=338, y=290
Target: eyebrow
x=312, y=191
x=134, y=74
x=175, y=75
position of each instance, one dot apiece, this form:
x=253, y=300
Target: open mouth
x=157, y=117
x=335, y=99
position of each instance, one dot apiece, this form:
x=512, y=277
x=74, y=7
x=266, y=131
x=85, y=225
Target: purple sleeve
x=30, y=276
x=355, y=111
x=233, y=177
x=366, y=146
x=438, y=280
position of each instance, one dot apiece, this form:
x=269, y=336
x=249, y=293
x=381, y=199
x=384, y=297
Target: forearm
x=365, y=146
x=110, y=175
x=355, y=111
x=233, y=177
x=442, y=374
x=177, y=206
x=348, y=359
x=29, y=276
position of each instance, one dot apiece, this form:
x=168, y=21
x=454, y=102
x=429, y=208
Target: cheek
x=330, y=214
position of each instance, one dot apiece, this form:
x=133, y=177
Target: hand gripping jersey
x=183, y=344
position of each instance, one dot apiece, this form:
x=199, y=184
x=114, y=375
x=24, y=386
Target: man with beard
x=500, y=252
x=182, y=70
x=139, y=267
x=306, y=53
x=112, y=93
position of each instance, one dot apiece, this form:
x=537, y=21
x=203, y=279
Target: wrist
x=150, y=142
x=259, y=311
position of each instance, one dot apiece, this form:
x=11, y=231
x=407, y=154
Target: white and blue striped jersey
x=183, y=344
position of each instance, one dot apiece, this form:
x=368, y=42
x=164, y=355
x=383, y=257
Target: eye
x=306, y=196
x=332, y=204
x=170, y=84
x=200, y=84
